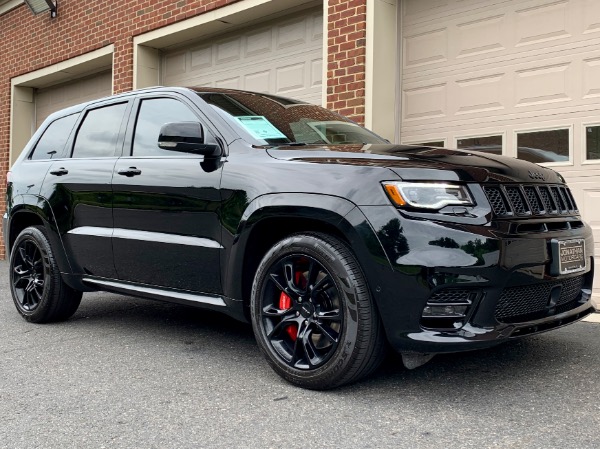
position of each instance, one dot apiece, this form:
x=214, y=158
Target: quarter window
x=153, y=114
x=99, y=132
x=544, y=146
x=53, y=141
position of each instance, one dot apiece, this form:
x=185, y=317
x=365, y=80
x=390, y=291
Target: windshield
x=269, y=120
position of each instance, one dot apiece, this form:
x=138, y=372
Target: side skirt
x=231, y=307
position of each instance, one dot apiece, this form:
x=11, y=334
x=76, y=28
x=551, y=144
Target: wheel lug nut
x=297, y=313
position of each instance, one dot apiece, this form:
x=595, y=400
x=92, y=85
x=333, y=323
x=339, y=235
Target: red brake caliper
x=285, y=302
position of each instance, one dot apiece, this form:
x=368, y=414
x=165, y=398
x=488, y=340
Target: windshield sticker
x=260, y=127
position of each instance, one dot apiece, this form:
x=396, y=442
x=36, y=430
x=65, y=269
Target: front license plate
x=571, y=256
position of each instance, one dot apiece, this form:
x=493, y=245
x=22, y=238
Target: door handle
x=59, y=172
x=129, y=172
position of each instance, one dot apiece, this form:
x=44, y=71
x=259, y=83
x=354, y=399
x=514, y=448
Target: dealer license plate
x=571, y=256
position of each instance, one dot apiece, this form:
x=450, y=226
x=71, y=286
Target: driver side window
x=153, y=113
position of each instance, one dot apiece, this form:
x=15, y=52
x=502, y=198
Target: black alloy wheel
x=312, y=314
x=28, y=275
x=301, y=311
x=39, y=293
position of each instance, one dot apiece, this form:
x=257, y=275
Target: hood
x=414, y=163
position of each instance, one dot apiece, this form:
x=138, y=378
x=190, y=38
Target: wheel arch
x=36, y=211
x=270, y=218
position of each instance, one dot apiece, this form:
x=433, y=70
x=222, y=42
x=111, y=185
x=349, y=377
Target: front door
x=166, y=224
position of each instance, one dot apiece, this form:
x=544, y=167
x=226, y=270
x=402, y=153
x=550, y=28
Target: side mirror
x=186, y=137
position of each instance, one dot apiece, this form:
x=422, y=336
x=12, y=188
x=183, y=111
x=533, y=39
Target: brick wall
x=29, y=43
x=346, y=50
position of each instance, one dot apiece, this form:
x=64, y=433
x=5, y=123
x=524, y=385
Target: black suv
x=331, y=241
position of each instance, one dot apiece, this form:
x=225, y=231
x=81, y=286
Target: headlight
x=427, y=195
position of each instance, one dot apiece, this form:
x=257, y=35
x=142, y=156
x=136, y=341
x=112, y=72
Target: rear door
x=167, y=232
x=78, y=188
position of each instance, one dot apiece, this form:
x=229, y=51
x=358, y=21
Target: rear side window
x=99, y=132
x=53, y=141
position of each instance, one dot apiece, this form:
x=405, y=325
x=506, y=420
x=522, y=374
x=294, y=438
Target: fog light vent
x=447, y=311
x=448, y=308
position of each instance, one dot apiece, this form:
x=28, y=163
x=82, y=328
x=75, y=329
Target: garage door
x=57, y=97
x=520, y=78
x=283, y=57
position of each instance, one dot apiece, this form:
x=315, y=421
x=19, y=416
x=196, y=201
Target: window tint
x=274, y=120
x=544, y=146
x=97, y=136
x=153, y=114
x=53, y=141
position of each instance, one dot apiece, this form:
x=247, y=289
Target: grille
x=530, y=200
x=451, y=295
x=528, y=302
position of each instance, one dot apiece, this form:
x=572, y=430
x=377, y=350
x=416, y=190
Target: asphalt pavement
x=132, y=373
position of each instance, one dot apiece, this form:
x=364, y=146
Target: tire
x=39, y=293
x=312, y=314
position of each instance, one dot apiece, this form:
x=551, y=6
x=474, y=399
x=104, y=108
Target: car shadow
x=534, y=365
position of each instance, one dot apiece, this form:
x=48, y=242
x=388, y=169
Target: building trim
x=147, y=46
x=22, y=106
x=9, y=5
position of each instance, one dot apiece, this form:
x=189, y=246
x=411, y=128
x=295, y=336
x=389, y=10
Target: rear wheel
x=38, y=291
x=312, y=313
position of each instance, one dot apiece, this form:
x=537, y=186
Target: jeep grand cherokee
x=331, y=241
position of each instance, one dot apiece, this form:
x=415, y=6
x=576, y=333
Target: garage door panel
x=498, y=31
x=542, y=23
x=281, y=57
x=229, y=51
x=481, y=36
x=175, y=64
x=548, y=85
x=259, y=82
x=200, y=58
x=259, y=43
x=292, y=34
x=61, y=96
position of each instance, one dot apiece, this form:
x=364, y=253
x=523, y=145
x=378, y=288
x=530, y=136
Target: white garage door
x=283, y=57
x=517, y=77
x=57, y=97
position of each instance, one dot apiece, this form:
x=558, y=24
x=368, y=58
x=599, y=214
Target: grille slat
x=558, y=200
x=515, y=199
x=451, y=295
x=534, y=200
x=528, y=302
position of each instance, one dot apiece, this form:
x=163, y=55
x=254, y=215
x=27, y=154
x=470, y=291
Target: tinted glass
x=488, y=144
x=153, y=114
x=544, y=146
x=53, y=141
x=98, y=134
x=271, y=120
x=592, y=142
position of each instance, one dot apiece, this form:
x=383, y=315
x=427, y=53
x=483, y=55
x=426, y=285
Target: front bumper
x=506, y=279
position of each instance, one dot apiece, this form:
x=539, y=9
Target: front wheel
x=312, y=314
x=38, y=291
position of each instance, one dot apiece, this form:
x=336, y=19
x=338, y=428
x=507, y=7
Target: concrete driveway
x=131, y=373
